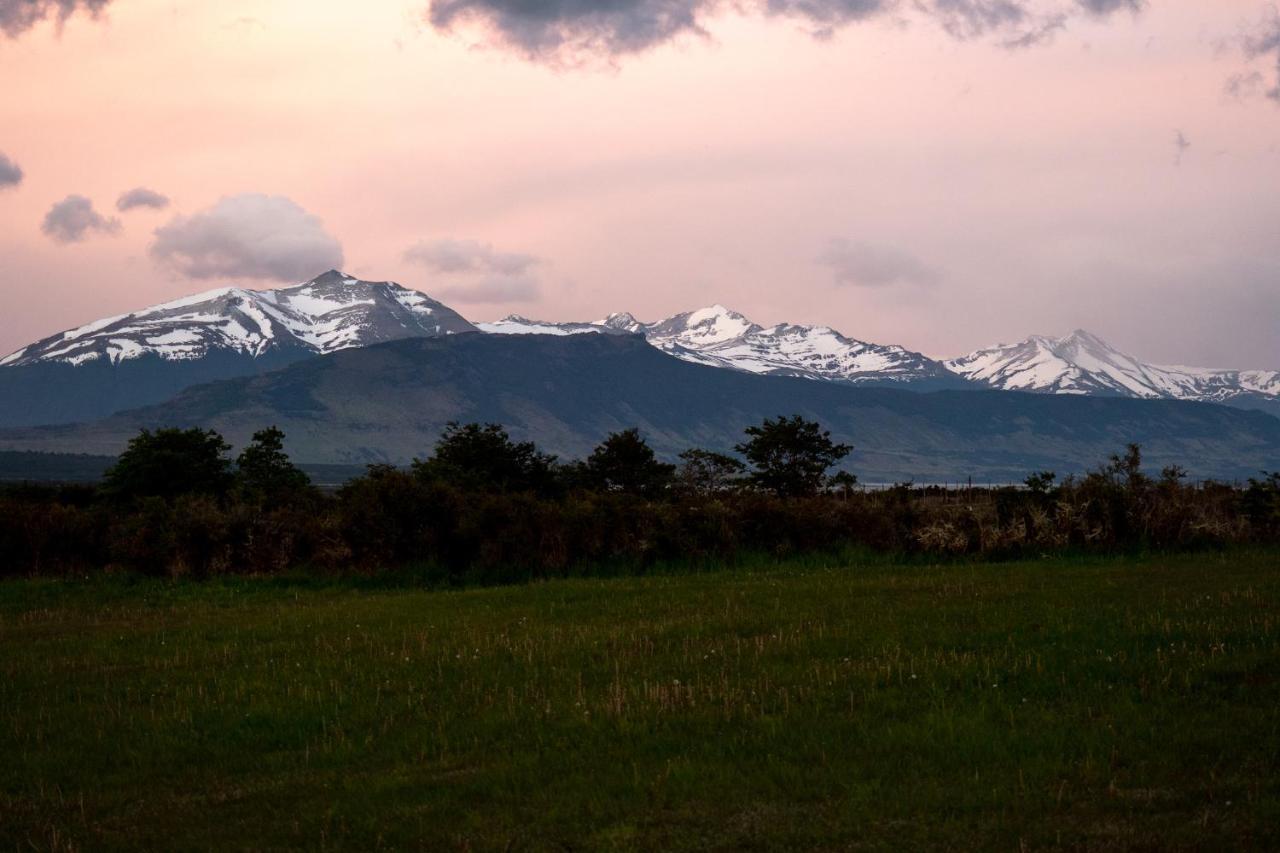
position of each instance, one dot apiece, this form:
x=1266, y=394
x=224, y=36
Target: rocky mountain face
x=389, y=402
x=1081, y=363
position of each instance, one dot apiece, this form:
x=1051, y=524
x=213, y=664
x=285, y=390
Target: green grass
x=1084, y=704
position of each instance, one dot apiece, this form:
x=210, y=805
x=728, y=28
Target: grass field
x=1100, y=704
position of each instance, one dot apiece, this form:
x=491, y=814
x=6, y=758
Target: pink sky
x=1038, y=187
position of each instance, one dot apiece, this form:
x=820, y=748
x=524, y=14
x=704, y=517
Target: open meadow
x=1101, y=703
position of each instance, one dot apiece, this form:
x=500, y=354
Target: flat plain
x=1103, y=704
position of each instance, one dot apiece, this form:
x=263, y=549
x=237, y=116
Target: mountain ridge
x=388, y=402
x=1083, y=363
x=143, y=357
x=330, y=312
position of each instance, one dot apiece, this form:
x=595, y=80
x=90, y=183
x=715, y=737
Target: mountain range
x=719, y=337
x=137, y=360
x=1080, y=363
x=388, y=402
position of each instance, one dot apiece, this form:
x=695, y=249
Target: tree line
x=483, y=507
x=786, y=456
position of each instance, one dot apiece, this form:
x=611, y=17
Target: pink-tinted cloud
x=248, y=236
x=74, y=219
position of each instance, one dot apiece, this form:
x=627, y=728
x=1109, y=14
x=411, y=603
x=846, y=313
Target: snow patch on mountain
x=514, y=324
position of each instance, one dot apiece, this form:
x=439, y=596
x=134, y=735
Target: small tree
x=483, y=457
x=624, y=462
x=171, y=462
x=842, y=482
x=264, y=470
x=1040, y=483
x=790, y=456
x=706, y=472
x=1125, y=469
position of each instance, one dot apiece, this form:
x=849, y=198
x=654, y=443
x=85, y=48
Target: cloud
x=18, y=16
x=481, y=274
x=965, y=19
x=493, y=289
x=1107, y=7
x=574, y=31
x=1263, y=42
x=1042, y=32
x=10, y=173
x=863, y=265
x=71, y=220
x=141, y=197
x=1246, y=85
x=468, y=256
x=248, y=236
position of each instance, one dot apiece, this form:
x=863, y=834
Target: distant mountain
x=328, y=313
x=149, y=355
x=719, y=337
x=389, y=402
x=1081, y=363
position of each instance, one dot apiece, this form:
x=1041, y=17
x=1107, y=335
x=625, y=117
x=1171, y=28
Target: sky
x=939, y=174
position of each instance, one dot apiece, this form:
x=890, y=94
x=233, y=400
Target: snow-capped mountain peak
x=331, y=312
x=622, y=322
x=1083, y=363
x=702, y=328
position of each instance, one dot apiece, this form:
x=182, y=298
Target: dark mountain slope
x=389, y=402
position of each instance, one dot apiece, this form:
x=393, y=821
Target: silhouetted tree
x=790, y=455
x=1125, y=469
x=1261, y=502
x=842, y=482
x=171, y=462
x=1040, y=483
x=624, y=462
x=264, y=471
x=482, y=457
x=706, y=472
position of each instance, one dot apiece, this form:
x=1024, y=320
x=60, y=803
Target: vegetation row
x=484, y=508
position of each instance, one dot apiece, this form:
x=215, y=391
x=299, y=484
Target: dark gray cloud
x=10, y=173
x=141, y=197
x=864, y=265
x=1106, y=7
x=18, y=16
x=72, y=219
x=567, y=31
x=1263, y=42
x=477, y=272
x=468, y=256
x=548, y=29
x=248, y=236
